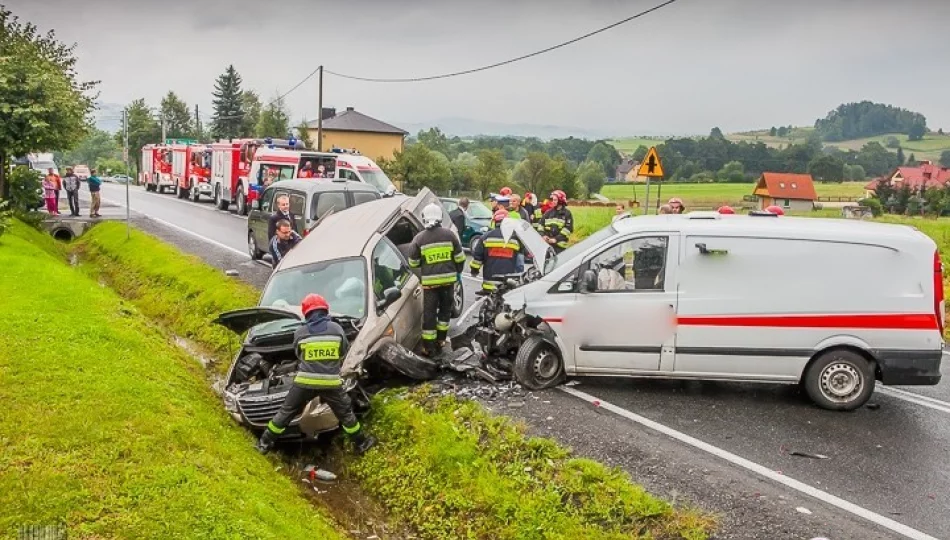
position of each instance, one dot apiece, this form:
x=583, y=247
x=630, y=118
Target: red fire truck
x=191, y=170
x=230, y=167
x=156, y=171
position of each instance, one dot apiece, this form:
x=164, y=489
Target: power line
x=505, y=62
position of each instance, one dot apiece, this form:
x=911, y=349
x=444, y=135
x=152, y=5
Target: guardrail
x=839, y=199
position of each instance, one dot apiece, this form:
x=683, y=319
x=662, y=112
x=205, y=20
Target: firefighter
x=438, y=253
x=775, y=210
x=726, y=210
x=558, y=222
x=499, y=202
x=530, y=205
x=496, y=255
x=320, y=345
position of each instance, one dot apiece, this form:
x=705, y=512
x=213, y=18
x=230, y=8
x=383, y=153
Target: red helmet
x=505, y=191
x=559, y=197
x=500, y=214
x=312, y=302
x=775, y=210
x=726, y=210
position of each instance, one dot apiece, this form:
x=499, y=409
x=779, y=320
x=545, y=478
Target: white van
x=831, y=304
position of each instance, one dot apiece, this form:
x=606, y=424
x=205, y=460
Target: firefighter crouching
x=321, y=346
x=495, y=255
x=438, y=253
x=557, y=223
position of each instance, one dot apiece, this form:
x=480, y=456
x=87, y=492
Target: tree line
x=866, y=119
x=485, y=164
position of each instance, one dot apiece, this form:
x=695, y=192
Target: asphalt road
x=725, y=447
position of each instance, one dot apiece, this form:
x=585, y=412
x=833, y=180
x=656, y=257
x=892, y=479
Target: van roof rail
x=762, y=213
x=703, y=214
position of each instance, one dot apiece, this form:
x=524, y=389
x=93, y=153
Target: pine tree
x=900, y=156
x=228, y=118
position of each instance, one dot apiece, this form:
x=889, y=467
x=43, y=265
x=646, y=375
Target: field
x=110, y=431
x=715, y=194
x=930, y=147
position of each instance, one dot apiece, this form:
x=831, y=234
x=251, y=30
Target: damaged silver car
x=356, y=259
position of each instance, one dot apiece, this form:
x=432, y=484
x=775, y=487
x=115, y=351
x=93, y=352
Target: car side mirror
x=589, y=281
x=390, y=295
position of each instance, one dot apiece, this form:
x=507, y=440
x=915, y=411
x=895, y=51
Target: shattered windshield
x=342, y=282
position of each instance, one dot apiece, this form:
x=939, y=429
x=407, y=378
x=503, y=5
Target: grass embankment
x=109, y=429
x=177, y=290
x=452, y=470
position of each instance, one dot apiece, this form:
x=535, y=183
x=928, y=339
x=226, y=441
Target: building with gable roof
x=790, y=191
x=352, y=129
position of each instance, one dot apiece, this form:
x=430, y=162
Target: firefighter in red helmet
x=320, y=345
x=557, y=223
x=775, y=210
x=506, y=191
x=726, y=210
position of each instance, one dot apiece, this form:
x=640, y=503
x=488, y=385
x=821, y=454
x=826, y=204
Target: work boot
x=430, y=349
x=266, y=443
x=362, y=443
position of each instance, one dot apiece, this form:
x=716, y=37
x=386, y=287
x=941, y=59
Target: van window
x=327, y=200
x=360, y=197
x=347, y=174
x=267, y=200
x=634, y=265
x=268, y=174
x=389, y=268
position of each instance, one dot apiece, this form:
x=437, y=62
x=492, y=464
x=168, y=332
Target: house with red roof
x=789, y=191
x=924, y=176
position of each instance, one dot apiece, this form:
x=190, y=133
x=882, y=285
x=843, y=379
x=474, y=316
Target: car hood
x=542, y=253
x=242, y=320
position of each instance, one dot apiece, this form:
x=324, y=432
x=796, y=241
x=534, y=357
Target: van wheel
x=538, y=364
x=407, y=362
x=241, y=203
x=840, y=380
x=458, y=299
x=252, y=249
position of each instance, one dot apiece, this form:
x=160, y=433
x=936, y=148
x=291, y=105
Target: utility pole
x=125, y=156
x=163, y=128
x=197, y=122
x=320, y=114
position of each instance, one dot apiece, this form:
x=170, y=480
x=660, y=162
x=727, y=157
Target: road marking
x=186, y=231
x=802, y=487
x=191, y=204
x=917, y=399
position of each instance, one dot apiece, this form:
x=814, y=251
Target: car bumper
x=910, y=368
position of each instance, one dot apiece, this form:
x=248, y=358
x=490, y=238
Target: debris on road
x=231, y=273
x=803, y=510
x=873, y=406
x=807, y=455
x=315, y=474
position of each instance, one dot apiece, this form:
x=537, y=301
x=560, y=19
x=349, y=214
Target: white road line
x=802, y=487
x=918, y=399
x=192, y=204
x=186, y=231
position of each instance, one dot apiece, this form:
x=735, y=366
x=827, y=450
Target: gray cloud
x=738, y=64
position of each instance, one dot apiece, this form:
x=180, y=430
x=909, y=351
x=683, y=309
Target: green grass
x=109, y=429
x=177, y=290
x=713, y=195
x=628, y=145
x=454, y=471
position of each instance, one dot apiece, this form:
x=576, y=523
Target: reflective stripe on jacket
x=558, y=223
x=496, y=256
x=438, y=254
x=321, y=346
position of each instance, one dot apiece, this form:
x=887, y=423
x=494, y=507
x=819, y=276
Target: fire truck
x=156, y=171
x=191, y=170
x=231, y=181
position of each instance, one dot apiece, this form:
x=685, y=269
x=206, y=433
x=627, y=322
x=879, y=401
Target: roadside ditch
x=445, y=467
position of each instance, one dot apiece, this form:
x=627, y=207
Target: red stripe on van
x=553, y=319
x=898, y=321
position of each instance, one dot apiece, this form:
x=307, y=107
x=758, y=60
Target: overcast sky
x=737, y=64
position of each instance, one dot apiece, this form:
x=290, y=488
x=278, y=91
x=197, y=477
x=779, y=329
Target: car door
x=298, y=207
x=258, y=218
x=390, y=269
x=423, y=199
x=626, y=323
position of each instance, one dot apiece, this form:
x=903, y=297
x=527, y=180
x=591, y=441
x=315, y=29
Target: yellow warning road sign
x=651, y=166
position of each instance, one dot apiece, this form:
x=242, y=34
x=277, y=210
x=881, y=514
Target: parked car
x=477, y=220
x=82, y=172
x=355, y=259
x=832, y=305
x=309, y=201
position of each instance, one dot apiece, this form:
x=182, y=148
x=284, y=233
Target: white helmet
x=432, y=215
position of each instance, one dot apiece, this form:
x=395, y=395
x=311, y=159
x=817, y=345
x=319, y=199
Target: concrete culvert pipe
x=63, y=234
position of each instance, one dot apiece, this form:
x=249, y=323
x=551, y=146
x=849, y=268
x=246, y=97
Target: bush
x=25, y=186
x=6, y=216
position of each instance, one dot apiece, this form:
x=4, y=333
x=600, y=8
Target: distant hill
x=467, y=127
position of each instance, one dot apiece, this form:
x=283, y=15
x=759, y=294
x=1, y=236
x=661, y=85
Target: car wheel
x=241, y=203
x=538, y=364
x=840, y=380
x=474, y=241
x=458, y=299
x=408, y=363
x=252, y=250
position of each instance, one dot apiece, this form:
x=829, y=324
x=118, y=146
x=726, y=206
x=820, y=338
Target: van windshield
x=584, y=245
x=376, y=178
x=342, y=282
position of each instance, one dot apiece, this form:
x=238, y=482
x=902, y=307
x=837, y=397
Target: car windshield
x=478, y=210
x=584, y=245
x=376, y=178
x=342, y=282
